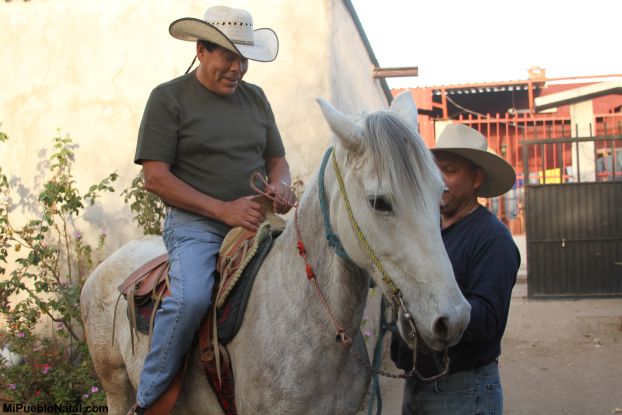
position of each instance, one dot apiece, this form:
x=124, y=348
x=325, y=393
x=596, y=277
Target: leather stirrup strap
x=205, y=343
x=165, y=402
x=210, y=352
x=114, y=318
x=221, y=381
x=131, y=315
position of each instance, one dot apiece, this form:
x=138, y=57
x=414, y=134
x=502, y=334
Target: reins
x=341, y=336
x=397, y=302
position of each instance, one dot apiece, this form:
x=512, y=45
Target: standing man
x=201, y=137
x=485, y=261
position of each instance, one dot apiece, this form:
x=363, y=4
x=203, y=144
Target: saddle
x=240, y=257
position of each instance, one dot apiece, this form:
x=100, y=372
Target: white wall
x=350, y=66
x=88, y=66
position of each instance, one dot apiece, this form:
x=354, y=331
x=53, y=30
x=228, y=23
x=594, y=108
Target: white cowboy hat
x=230, y=28
x=471, y=144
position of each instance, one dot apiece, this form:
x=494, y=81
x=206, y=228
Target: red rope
x=341, y=335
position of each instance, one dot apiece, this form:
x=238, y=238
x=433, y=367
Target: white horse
x=285, y=358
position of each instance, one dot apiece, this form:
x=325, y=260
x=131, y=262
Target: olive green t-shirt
x=213, y=143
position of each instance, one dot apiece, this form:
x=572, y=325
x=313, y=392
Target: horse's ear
x=348, y=132
x=404, y=106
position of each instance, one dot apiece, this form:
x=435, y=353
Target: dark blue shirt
x=485, y=261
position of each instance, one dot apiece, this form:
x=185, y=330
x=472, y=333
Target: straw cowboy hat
x=230, y=28
x=471, y=144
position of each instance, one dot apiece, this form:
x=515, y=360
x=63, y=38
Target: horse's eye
x=380, y=204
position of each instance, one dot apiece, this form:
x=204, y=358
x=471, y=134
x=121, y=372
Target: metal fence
x=574, y=216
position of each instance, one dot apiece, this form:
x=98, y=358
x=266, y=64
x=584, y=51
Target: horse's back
x=100, y=293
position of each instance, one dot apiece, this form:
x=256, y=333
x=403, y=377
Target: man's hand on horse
x=243, y=212
x=284, y=197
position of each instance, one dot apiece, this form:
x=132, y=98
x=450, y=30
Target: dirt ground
x=558, y=357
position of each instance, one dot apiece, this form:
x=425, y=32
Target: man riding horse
x=201, y=137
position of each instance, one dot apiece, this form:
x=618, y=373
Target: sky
x=453, y=41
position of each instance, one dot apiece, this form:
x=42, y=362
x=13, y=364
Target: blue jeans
x=192, y=243
x=472, y=392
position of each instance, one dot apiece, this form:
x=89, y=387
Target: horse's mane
x=400, y=156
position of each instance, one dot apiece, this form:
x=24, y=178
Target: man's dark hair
x=210, y=46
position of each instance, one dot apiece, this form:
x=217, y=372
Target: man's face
x=462, y=179
x=221, y=70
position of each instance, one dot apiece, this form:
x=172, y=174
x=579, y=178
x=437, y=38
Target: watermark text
x=8, y=408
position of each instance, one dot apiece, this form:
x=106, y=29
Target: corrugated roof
x=480, y=89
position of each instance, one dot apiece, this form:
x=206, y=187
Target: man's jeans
x=192, y=243
x=473, y=392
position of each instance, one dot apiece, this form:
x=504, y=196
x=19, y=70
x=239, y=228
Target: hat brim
x=264, y=49
x=500, y=176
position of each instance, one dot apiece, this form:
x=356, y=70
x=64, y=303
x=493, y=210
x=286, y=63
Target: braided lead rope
x=331, y=237
x=341, y=336
x=413, y=372
x=357, y=230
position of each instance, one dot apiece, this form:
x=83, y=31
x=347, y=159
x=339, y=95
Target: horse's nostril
x=441, y=328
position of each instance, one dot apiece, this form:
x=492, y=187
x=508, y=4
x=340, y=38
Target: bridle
x=397, y=303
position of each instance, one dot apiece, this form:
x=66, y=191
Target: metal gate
x=574, y=227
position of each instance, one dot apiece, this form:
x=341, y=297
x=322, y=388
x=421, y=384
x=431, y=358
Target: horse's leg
x=97, y=302
x=112, y=373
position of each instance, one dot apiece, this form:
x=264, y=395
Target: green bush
x=147, y=208
x=39, y=297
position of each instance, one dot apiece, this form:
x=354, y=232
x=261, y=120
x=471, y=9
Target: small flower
x=77, y=235
x=12, y=386
x=20, y=334
x=46, y=368
x=367, y=333
x=37, y=393
x=94, y=389
x=86, y=396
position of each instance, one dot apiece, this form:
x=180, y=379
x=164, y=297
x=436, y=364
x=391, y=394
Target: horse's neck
x=344, y=285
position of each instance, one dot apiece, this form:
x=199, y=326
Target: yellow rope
x=357, y=230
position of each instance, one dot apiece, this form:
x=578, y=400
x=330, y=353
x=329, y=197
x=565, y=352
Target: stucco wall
x=88, y=67
x=350, y=67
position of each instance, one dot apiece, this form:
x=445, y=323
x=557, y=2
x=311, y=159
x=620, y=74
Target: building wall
x=350, y=67
x=87, y=67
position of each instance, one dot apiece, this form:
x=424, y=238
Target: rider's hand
x=243, y=212
x=284, y=197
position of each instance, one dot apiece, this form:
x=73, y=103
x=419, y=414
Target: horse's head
x=394, y=189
